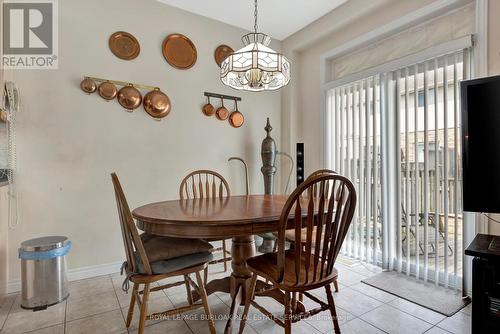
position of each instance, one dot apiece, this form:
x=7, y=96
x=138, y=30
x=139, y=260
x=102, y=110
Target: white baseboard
x=76, y=274
x=14, y=286
x=93, y=271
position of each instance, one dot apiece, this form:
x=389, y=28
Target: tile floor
x=98, y=305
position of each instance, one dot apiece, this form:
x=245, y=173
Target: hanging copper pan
x=88, y=86
x=107, y=90
x=157, y=104
x=129, y=97
x=236, y=118
x=222, y=113
x=208, y=109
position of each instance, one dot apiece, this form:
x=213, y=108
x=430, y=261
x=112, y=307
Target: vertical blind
x=355, y=117
x=422, y=232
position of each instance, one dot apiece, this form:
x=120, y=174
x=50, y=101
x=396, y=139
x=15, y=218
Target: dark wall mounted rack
x=221, y=96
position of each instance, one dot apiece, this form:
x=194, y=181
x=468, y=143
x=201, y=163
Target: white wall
x=69, y=142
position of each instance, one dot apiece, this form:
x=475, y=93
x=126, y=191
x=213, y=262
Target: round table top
x=213, y=217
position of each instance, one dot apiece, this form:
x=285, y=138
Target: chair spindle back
x=204, y=184
x=329, y=201
x=320, y=172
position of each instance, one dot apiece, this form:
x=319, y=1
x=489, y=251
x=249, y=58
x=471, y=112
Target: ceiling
x=277, y=18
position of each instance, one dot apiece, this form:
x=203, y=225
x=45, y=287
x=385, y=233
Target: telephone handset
x=12, y=94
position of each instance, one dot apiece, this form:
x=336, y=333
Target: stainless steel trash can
x=43, y=271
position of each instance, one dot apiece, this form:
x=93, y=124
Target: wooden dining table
x=238, y=217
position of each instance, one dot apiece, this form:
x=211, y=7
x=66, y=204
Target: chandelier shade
x=255, y=67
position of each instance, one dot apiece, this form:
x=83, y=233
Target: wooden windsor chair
x=201, y=184
x=290, y=234
x=142, y=271
x=299, y=270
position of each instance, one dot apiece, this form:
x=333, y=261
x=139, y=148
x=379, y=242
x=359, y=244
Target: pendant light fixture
x=255, y=67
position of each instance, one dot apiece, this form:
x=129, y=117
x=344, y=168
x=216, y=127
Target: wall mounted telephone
x=8, y=114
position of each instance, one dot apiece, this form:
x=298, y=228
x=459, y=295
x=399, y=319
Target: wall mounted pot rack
x=222, y=96
x=155, y=102
x=235, y=118
x=122, y=83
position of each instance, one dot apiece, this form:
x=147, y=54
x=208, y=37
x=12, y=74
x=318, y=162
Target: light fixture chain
x=255, y=17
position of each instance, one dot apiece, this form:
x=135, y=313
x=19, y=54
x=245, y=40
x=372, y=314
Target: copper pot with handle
x=88, y=85
x=222, y=113
x=208, y=109
x=236, y=118
x=157, y=104
x=107, y=90
x=129, y=97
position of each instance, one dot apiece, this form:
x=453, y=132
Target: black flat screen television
x=481, y=144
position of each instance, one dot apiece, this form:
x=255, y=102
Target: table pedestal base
x=237, y=284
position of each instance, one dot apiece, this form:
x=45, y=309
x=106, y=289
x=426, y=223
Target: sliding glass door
x=355, y=116
x=396, y=135
x=429, y=172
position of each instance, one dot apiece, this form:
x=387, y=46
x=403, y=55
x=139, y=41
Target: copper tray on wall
x=221, y=53
x=179, y=51
x=124, y=45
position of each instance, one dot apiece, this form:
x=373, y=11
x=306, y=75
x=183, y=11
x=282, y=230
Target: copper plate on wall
x=221, y=53
x=124, y=45
x=179, y=51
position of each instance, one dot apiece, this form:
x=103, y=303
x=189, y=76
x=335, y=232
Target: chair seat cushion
x=164, y=248
x=266, y=265
x=178, y=263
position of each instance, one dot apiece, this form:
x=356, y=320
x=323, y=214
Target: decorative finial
x=268, y=128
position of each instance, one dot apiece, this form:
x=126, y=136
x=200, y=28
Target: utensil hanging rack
x=123, y=83
x=222, y=96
